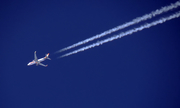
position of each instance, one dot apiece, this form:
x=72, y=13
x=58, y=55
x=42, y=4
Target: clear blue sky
x=141, y=70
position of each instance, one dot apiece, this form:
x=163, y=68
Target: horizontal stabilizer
x=47, y=56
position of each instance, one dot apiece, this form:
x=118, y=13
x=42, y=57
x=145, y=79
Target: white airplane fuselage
x=39, y=60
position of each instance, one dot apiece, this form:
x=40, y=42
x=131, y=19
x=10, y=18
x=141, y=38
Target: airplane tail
x=47, y=56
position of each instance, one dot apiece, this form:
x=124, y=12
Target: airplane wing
x=42, y=64
x=35, y=57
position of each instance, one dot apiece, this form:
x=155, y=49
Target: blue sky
x=137, y=71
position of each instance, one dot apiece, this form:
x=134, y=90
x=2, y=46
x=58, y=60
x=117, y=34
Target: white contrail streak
x=134, y=21
x=148, y=25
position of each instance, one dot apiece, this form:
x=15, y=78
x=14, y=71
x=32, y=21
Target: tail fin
x=47, y=56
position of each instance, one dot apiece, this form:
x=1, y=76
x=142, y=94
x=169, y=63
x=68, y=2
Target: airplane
x=38, y=61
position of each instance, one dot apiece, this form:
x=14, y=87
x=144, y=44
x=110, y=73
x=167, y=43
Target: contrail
x=148, y=25
x=134, y=21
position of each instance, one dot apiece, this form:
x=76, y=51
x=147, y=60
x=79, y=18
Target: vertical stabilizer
x=47, y=56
